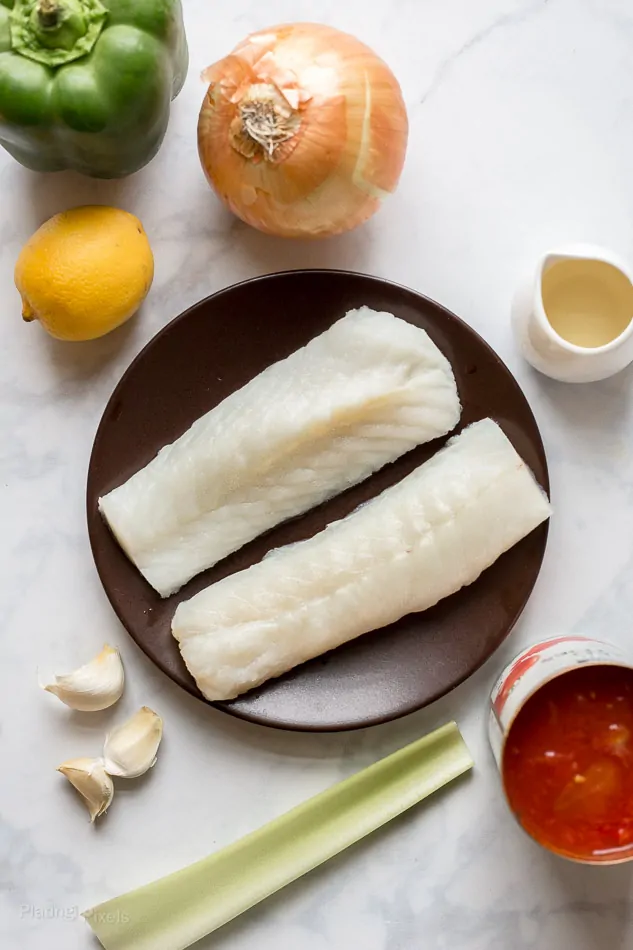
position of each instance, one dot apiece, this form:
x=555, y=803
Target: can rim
x=594, y=862
x=623, y=665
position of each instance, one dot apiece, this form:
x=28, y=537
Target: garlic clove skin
x=130, y=749
x=92, y=782
x=97, y=685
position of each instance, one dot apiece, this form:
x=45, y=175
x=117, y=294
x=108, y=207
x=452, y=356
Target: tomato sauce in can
x=561, y=729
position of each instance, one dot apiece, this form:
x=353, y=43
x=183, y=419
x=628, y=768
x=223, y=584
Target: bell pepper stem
x=48, y=13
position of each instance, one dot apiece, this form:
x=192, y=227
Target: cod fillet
x=419, y=541
x=358, y=396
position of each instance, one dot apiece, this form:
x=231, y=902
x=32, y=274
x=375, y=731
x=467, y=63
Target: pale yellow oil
x=588, y=303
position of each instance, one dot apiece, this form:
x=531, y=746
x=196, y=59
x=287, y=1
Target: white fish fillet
x=402, y=552
x=358, y=396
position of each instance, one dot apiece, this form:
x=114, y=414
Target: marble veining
x=521, y=139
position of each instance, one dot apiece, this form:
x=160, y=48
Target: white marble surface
x=521, y=137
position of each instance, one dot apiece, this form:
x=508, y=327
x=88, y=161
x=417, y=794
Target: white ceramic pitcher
x=573, y=319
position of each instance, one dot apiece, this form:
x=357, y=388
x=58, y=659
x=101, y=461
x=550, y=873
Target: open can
x=523, y=677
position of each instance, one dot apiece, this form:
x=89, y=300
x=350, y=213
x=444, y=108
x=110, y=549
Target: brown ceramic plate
x=212, y=350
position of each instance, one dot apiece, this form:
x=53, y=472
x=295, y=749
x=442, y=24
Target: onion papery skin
x=329, y=124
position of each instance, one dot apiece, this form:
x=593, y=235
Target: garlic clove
x=130, y=749
x=95, y=686
x=92, y=782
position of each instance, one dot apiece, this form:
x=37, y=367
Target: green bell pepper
x=87, y=84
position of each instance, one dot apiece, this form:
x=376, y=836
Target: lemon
x=85, y=272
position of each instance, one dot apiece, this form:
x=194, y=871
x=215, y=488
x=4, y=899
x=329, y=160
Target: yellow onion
x=303, y=130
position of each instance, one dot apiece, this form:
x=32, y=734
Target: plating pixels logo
x=58, y=912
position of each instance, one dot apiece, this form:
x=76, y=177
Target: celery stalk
x=175, y=911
